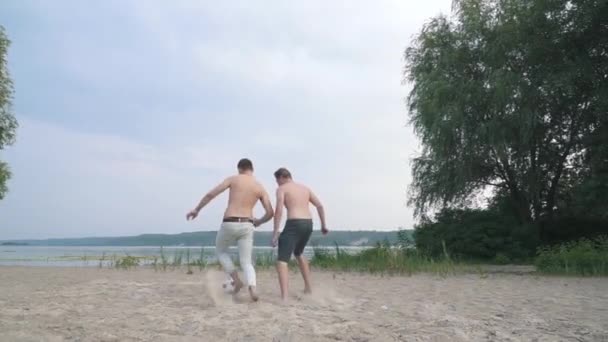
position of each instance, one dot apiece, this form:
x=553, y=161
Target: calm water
x=93, y=256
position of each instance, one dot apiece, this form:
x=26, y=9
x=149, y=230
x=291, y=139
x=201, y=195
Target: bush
x=566, y=228
x=501, y=259
x=583, y=257
x=474, y=234
x=126, y=262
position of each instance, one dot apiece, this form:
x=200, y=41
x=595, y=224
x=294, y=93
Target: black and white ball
x=228, y=285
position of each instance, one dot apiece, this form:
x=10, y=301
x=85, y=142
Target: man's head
x=282, y=176
x=245, y=166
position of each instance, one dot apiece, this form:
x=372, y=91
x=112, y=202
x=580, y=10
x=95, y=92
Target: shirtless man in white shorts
x=238, y=224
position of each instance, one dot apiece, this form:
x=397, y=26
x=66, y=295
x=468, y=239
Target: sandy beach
x=88, y=304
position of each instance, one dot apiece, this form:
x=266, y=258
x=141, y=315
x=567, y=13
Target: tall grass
x=265, y=260
x=126, y=262
x=177, y=258
x=201, y=262
x=155, y=263
x=583, y=257
x=180, y=258
x=188, y=261
x=383, y=259
x=102, y=259
x=164, y=261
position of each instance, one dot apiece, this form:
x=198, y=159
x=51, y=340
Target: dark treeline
x=510, y=101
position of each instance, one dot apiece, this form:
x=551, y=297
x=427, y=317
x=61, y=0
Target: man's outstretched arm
x=320, y=210
x=213, y=193
x=265, y=199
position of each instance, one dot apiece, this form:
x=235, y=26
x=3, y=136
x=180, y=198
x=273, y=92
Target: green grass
x=268, y=260
x=581, y=258
x=126, y=262
x=188, y=264
x=384, y=259
x=102, y=259
x=180, y=258
x=265, y=260
x=201, y=262
x=160, y=262
x=177, y=258
x=164, y=261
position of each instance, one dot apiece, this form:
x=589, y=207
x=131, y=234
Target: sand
x=88, y=304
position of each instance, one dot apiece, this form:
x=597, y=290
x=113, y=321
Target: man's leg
x=305, y=270
x=305, y=230
x=286, y=246
x=223, y=241
x=245, y=249
x=283, y=271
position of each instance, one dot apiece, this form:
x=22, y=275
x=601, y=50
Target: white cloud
x=93, y=184
x=177, y=93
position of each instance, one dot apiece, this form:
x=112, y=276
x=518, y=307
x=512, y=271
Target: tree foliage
x=510, y=95
x=8, y=123
x=476, y=234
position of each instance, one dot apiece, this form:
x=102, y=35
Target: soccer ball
x=228, y=285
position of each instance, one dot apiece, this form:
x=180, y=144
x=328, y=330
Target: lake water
x=83, y=256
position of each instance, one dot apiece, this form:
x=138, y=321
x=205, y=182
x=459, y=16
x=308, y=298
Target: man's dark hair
x=282, y=173
x=245, y=165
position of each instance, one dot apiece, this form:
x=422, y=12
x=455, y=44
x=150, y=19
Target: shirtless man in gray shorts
x=298, y=227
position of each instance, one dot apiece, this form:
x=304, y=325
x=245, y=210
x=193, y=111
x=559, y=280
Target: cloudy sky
x=130, y=111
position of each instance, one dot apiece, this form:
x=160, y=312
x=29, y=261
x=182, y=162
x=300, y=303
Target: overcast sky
x=130, y=111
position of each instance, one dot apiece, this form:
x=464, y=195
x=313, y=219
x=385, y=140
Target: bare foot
x=254, y=296
x=307, y=291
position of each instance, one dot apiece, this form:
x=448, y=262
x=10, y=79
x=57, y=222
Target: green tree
x=507, y=95
x=8, y=123
x=589, y=197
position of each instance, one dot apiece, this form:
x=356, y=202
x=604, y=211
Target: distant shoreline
x=360, y=238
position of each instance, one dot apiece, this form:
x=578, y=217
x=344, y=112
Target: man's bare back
x=297, y=199
x=245, y=191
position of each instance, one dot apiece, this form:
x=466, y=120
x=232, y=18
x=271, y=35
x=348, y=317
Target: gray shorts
x=294, y=238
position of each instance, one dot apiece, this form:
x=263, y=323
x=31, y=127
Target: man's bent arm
x=267, y=207
x=213, y=194
x=320, y=210
x=278, y=211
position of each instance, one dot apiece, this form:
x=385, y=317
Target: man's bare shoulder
x=242, y=180
x=303, y=188
x=261, y=190
x=293, y=189
x=287, y=187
